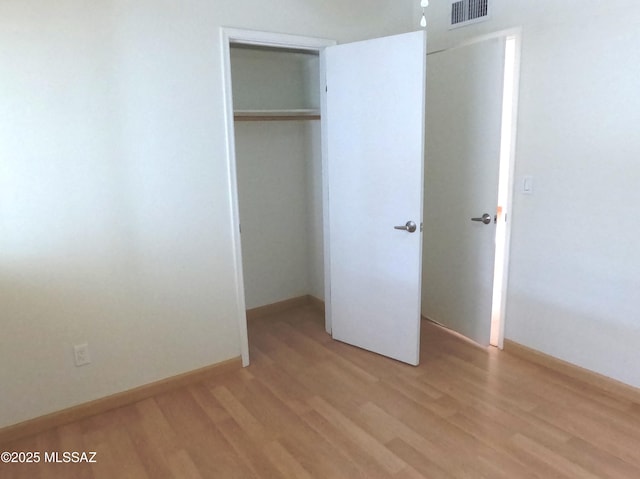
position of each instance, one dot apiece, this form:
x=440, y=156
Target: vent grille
x=464, y=12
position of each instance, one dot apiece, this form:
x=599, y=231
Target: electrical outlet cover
x=81, y=354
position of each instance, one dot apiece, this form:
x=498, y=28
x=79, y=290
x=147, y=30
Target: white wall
x=273, y=161
x=267, y=79
x=315, y=211
x=114, y=197
x=279, y=175
x=574, y=276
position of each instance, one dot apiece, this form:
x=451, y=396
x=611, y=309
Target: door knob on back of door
x=486, y=218
x=409, y=227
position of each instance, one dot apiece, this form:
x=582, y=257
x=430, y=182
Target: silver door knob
x=410, y=227
x=486, y=218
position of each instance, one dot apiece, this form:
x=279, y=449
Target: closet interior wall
x=279, y=173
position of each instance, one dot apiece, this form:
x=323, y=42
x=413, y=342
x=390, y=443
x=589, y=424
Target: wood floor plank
x=69, y=470
x=343, y=441
x=597, y=460
x=603, y=435
x=319, y=456
x=286, y=388
x=152, y=437
x=559, y=463
x=251, y=452
x=182, y=465
x=183, y=413
x=416, y=459
x=379, y=453
x=436, y=447
x=285, y=462
x=251, y=426
x=209, y=404
x=154, y=425
x=311, y=407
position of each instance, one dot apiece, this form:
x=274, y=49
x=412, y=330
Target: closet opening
x=274, y=92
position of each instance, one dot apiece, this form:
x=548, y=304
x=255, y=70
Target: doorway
x=261, y=110
x=276, y=98
x=471, y=97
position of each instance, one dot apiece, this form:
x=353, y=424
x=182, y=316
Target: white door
x=464, y=98
x=375, y=130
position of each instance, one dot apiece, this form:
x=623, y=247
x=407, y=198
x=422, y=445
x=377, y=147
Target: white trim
x=506, y=33
x=324, y=127
x=505, y=193
x=275, y=40
x=517, y=35
x=233, y=188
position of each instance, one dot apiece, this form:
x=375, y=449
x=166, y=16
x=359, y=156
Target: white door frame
x=275, y=40
x=508, y=149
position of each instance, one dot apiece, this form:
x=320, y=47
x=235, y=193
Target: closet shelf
x=276, y=115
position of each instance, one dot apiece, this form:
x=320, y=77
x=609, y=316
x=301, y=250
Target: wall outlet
x=81, y=354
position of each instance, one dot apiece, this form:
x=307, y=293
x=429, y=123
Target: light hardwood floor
x=309, y=406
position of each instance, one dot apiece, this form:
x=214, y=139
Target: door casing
x=273, y=40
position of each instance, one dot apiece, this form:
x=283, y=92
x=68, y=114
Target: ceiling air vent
x=466, y=12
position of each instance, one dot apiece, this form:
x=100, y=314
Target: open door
x=464, y=121
x=375, y=142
